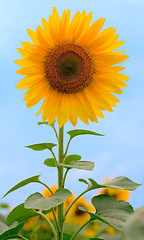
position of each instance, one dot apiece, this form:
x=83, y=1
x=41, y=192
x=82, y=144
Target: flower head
x=70, y=66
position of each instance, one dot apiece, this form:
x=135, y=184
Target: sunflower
x=75, y=215
x=119, y=194
x=70, y=66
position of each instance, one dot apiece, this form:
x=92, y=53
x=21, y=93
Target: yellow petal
x=28, y=81
x=33, y=36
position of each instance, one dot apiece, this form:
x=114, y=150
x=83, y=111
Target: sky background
x=119, y=152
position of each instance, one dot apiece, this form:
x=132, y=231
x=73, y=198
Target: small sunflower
x=70, y=66
x=75, y=215
x=119, y=194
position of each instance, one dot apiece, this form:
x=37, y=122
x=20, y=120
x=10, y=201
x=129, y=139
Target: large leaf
x=23, y=183
x=84, y=165
x=37, y=201
x=20, y=214
x=42, y=146
x=118, y=183
x=74, y=133
x=123, y=183
x=50, y=162
x=11, y=231
x=71, y=158
x=110, y=211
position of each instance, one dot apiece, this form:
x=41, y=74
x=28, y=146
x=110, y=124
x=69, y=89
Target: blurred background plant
x=37, y=229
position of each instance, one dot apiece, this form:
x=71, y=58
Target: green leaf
x=118, y=183
x=20, y=214
x=4, y=206
x=23, y=183
x=67, y=236
x=50, y=162
x=11, y=231
x=2, y=218
x=83, y=180
x=42, y=146
x=123, y=183
x=74, y=133
x=71, y=158
x=109, y=210
x=84, y=165
x=37, y=201
x=45, y=122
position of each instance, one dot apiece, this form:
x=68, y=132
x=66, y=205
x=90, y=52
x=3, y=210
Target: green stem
x=22, y=237
x=46, y=187
x=76, y=233
x=55, y=132
x=50, y=223
x=54, y=158
x=56, y=222
x=60, y=181
x=67, y=148
x=66, y=172
x=75, y=201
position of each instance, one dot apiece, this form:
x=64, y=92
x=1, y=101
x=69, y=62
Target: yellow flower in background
x=116, y=193
x=89, y=232
x=70, y=66
x=110, y=231
x=76, y=216
x=29, y=224
x=47, y=193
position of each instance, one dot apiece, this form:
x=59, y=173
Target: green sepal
x=11, y=231
x=42, y=146
x=45, y=122
x=50, y=162
x=83, y=180
x=83, y=165
x=66, y=236
x=37, y=201
x=110, y=211
x=23, y=183
x=118, y=183
x=77, y=132
x=71, y=158
x=20, y=214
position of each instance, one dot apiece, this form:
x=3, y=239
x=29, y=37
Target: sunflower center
x=78, y=212
x=68, y=68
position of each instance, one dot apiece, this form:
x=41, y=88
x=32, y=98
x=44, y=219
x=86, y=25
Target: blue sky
x=120, y=152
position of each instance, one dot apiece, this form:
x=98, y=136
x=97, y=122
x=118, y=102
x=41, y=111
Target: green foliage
x=20, y=214
x=74, y=133
x=110, y=211
x=23, y=183
x=84, y=165
x=37, y=201
x=67, y=236
x=118, y=183
x=96, y=239
x=42, y=146
x=11, y=231
x=50, y=162
x=4, y=206
x=71, y=158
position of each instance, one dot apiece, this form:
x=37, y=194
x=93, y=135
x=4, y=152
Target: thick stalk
x=60, y=182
